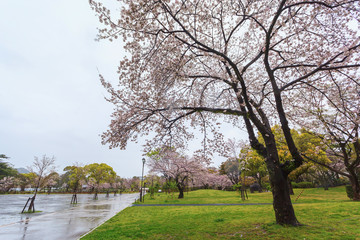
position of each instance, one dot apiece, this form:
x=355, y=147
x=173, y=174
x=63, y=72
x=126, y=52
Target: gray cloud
x=51, y=100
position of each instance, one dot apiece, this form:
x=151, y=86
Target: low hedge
x=302, y=185
x=349, y=191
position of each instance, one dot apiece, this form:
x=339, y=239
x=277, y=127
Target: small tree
x=230, y=168
x=50, y=180
x=41, y=167
x=175, y=166
x=75, y=179
x=98, y=174
x=6, y=184
x=254, y=166
x=26, y=180
x=132, y=184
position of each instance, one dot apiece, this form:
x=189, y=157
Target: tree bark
x=284, y=211
x=291, y=190
x=181, y=191
x=355, y=186
x=260, y=182
x=32, y=204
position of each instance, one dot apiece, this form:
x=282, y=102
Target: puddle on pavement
x=98, y=207
x=58, y=219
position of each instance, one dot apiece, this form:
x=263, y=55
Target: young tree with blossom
x=231, y=150
x=50, y=180
x=200, y=63
x=41, y=167
x=175, y=166
x=133, y=184
x=7, y=183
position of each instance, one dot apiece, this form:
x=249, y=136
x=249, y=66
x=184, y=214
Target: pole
x=142, y=180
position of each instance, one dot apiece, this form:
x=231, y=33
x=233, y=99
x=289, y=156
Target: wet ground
x=57, y=219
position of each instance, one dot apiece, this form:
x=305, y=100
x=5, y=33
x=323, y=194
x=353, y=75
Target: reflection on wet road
x=57, y=219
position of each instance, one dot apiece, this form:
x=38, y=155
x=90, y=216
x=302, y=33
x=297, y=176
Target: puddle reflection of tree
x=98, y=207
x=26, y=222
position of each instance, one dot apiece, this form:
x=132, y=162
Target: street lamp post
x=142, y=180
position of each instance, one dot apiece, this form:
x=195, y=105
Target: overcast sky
x=51, y=99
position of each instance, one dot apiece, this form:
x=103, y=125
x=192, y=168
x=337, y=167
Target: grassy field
x=325, y=215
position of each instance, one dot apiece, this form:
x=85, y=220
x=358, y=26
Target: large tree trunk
x=181, y=190
x=291, y=190
x=284, y=211
x=355, y=185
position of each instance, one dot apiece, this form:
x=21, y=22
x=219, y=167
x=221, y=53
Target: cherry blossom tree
x=332, y=111
x=41, y=167
x=118, y=185
x=210, y=179
x=107, y=187
x=175, y=166
x=132, y=184
x=231, y=150
x=6, y=184
x=50, y=180
x=199, y=63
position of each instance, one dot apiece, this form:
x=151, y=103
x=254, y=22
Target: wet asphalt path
x=58, y=219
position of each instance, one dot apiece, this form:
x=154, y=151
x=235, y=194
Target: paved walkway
x=65, y=224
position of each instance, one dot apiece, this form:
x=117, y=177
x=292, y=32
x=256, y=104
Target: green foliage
x=154, y=153
x=302, y=185
x=75, y=176
x=236, y=187
x=267, y=186
x=6, y=170
x=349, y=191
x=170, y=187
x=254, y=164
x=100, y=173
x=230, y=168
x=26, y=179
x=307, y=143
x=153, y=189
x=154, y=184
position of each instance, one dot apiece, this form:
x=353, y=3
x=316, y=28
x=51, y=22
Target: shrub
x=302, y=185
x=267, y=186
x=349, y=191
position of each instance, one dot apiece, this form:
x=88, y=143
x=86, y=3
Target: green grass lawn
x=325, y=215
